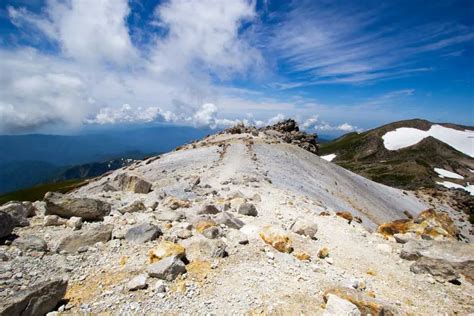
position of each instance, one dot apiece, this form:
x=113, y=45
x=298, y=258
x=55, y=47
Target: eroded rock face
x=365, y=304
x=85, y=208
x=428, y=223
x=36, y=300
x=444, y=260
x=6, y=224
x=76, y=240
x=133, y=183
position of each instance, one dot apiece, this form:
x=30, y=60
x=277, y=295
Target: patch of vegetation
x=350, y=140
x=37, y=192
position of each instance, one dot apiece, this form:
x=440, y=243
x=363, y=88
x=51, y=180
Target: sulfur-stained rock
x=323, y=253
x=346, y=215
x=202, y=225
x=428, y=223
x=365, y=304
x=277, y=238
x=136, y=206
x=166, y=249
x=175, y=203
x=301, y=255
x=336, y=306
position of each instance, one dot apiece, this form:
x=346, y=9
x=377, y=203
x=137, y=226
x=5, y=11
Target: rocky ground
x=244, y=222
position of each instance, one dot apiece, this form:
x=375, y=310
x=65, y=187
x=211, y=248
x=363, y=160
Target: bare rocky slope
x=243, y=222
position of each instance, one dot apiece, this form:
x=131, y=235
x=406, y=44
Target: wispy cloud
x=334, y=43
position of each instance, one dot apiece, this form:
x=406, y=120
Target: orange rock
x=365, y=303
x=204, y=224
x=323, y=253
x=165, y=249
x=345, y=215
x=303, y=256
x=277, y=238
x=428, y=222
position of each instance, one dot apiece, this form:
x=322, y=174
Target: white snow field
x=462, y=141
x=447, y=174
x=469, y=188
x=329, y=157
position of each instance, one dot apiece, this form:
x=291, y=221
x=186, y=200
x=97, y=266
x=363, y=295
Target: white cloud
x=313, y=122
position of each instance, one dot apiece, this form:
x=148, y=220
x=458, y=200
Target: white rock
x=337, y=306
x=137, y=283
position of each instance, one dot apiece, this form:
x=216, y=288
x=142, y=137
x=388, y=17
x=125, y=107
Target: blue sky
x=336, y=66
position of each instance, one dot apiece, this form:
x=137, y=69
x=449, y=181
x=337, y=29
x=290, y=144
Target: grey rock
x=75, y=240
x=439, y=269
x=31, y=242
x=142, y=233
x=202, y=248
x=184, y=234
x=64, y=206
x=6, y=224
x=54, y=220
x=169, y=216
x=167, y=269
x=137, y=283
x=133, y=183
x=136, y=206
x=19, y=211
x=237, y=237
x=305, y=228
x=337, y=306
x=211, y=232
x=248, y=209
x=208, y=209
x=36, y=300
x=74, y=222
x=229, y=220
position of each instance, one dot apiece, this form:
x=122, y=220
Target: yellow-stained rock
x=204, y=224
x=303, y=256
x=346, y=215
x=165, y=249
x=277, y=238
x=365, y=303
x=428, y=222
x=323, y=253
x=175, y=203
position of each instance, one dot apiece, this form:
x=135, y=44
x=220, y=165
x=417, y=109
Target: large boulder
x=19, y=211
x=142, y=233
x=167, y=269
x=36, y=300
x=133, y=183
x=83, y=238
x=85, y=208
x=6, y=224
x=445, y=260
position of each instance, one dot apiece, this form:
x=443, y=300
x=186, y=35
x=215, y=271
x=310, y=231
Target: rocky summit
x=246, y=221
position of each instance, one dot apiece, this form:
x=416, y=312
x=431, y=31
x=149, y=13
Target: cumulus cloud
x=314, y=123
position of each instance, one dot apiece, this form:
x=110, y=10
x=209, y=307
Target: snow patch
x=402, y=137
x=469, y=188
x=448, y=174
x=329, y=157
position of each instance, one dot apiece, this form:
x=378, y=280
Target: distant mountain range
x=408, y=154
x=27, y=160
